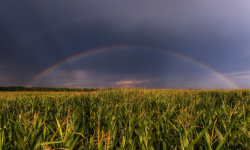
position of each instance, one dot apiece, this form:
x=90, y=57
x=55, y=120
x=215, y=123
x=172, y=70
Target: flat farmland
x=132, y=119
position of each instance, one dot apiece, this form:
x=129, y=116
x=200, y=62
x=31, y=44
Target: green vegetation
x=126, y=119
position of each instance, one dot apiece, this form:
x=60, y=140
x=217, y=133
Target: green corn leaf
x=73, y=123
x=90, y=142
x=207, y=137
x=19, y=139
x=59, y=126
x=81, y=147
x=36, y=138
x=2, y=140
x=190, y=146
x=222, y=142
x=21, y=128
x=100, y=145
x=72, y=145
x=173, y=126
x=219, y=133
x=164, y=145
x=36, y=123
x=233, y=121
x=193, y=122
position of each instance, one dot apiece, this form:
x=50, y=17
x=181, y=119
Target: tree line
x=21, y=88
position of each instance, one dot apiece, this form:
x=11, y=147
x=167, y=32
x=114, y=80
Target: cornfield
x=128, y=119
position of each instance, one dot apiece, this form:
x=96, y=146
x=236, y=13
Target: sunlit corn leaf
x=199, y=136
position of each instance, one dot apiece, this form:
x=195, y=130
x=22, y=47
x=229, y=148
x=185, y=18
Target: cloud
x=214, y=33
x=241, y=79
x=130, y=82
x=242, y=73
x=62, y=77
x=127, y=83
x=245, y=76
x=120, y=83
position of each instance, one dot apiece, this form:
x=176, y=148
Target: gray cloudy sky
x=36, y=35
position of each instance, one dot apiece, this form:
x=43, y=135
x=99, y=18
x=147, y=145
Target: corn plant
x=126, y=119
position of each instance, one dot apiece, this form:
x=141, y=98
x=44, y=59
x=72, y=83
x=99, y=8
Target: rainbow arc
x=102, y=49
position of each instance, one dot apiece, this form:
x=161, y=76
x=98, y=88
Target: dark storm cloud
x=214, y=33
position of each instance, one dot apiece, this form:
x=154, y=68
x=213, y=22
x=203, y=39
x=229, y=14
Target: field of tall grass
x=126, y=119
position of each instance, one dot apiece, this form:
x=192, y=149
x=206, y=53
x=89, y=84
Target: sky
x=170, y=44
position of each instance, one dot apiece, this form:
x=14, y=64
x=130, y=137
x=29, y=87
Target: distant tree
x=20, y=88
x=109, y=88
x=85, y=89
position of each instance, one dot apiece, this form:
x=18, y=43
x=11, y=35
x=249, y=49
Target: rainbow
x=93, y=51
